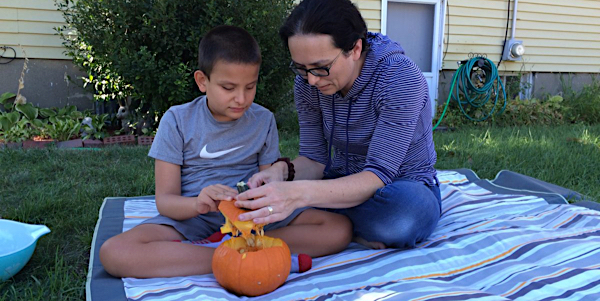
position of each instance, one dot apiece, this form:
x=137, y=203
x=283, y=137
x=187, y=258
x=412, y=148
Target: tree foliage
x=147, y=49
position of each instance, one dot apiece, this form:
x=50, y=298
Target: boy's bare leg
x=149, y=250
x=316, y=233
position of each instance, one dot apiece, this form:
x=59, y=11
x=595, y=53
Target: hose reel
x=477, y=85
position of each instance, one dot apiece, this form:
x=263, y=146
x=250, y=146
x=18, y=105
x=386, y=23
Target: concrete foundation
x=556, y=83
x=541, y=84
x=48, y=83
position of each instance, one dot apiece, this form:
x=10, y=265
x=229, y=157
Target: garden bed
x=80, y=143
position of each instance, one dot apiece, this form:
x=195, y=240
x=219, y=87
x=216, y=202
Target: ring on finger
x=270, y=209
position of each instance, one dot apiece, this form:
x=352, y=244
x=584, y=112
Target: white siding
x=30, y=23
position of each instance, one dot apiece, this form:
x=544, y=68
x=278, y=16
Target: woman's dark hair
x=230, y=44
x=338, y=18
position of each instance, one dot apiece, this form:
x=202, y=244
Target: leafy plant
x=5, y=97
x=65, y=123
x=60, y=113
x=94, y=127
x=8, y=120
x=148, y=132
x=18, y=131
x=25, y=121
x=63, y=129
x=19, y=121
x=584, y=105
x=532, y=111
x=148, y=49
x=518, y=112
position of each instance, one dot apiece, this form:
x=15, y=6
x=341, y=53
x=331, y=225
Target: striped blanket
x=491, y=244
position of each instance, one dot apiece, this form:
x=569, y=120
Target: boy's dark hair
x=338, y=18
x=230, y=44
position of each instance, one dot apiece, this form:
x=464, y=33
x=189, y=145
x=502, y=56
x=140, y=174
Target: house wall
x=559, y=36
x=562, y=40
x=371, y=12
x=27, y=26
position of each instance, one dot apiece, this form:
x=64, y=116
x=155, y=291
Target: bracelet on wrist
x=290, y=165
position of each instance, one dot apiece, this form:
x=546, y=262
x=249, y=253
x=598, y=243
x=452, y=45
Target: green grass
x=567, y=156
x=64, y=189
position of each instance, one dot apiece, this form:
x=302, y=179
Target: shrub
x=287, y=116
x=584, y=106
x=148, y=49
x=518, y=112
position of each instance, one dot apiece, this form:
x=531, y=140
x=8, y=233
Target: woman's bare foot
x=369, y=244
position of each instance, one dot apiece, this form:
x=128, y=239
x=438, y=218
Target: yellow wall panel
x=8, y=26
x=526, y=33
x=29, y=27
x=368, y=4
x=373, y=25
x=585, y=4
x=574, y=65
x=44, y=52
x=30, y=40
x=31, y=23
x=40, y=15
x=29, y=4
x=534, y=51
x=558, y=43
x=7, y=14
x=371, y=12
x=559, y=36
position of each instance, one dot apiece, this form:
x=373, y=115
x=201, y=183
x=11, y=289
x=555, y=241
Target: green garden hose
x=488, y=87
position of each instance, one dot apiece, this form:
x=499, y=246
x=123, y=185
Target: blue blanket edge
x=102, y=286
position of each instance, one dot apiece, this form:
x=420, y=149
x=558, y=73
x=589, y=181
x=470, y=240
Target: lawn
x=64, y=189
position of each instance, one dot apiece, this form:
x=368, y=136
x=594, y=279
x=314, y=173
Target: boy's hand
x=209, y=198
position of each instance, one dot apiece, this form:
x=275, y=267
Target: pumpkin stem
x=242, y=186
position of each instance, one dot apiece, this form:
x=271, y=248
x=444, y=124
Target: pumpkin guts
x=236, y=227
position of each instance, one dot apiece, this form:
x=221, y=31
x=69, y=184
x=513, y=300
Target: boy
x=201, y=150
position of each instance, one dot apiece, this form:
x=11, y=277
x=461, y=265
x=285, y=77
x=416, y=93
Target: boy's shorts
x=204, y=225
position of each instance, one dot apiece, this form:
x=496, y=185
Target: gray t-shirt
x=213, y=152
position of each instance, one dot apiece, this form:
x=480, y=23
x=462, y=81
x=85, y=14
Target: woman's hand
x=272, y=174
x=209, y=198
x=272, y=202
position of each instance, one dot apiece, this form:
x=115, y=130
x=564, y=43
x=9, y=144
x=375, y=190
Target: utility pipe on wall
x=514, y=20
x=513, y=49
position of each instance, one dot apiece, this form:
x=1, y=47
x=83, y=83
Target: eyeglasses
x=318, y=71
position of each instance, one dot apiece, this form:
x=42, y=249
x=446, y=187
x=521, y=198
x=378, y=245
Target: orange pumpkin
x=244, y=271
x=249, y=264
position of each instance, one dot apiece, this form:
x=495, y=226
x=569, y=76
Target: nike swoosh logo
x=207, y=155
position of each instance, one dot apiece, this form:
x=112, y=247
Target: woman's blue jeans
x=399, y=215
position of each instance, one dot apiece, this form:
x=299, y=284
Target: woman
x=366, y=147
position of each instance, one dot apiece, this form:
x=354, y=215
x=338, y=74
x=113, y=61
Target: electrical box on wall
x=513, y=50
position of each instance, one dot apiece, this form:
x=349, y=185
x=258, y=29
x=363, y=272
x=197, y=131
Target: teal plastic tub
x=17, y=243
